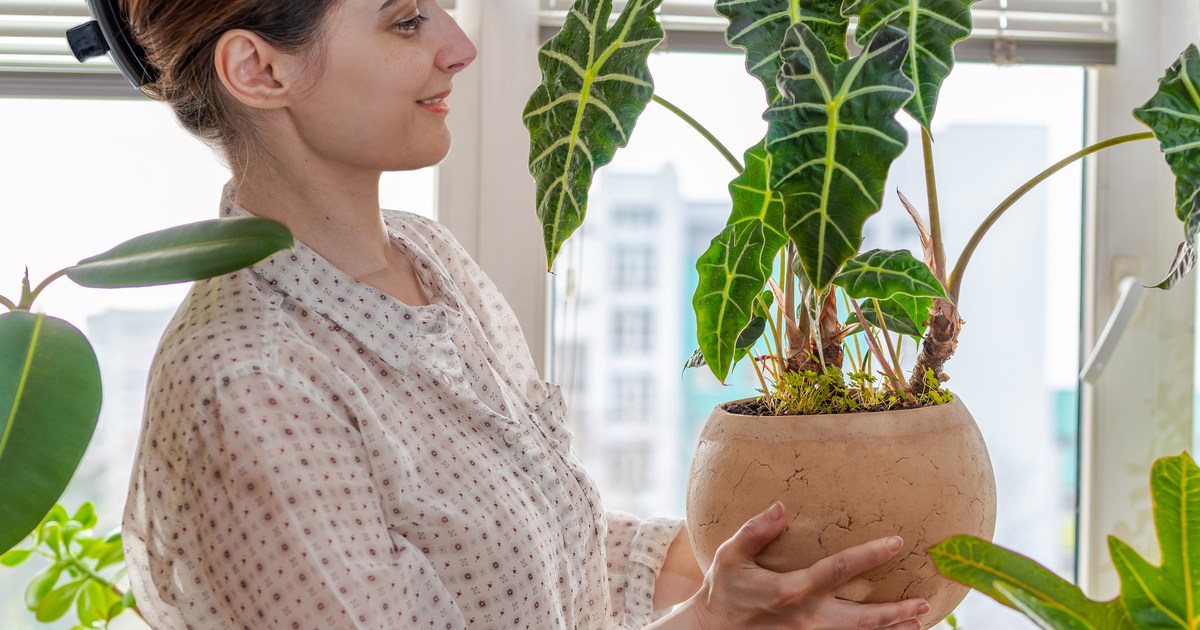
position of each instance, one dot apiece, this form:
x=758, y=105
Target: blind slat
x=1033, y=31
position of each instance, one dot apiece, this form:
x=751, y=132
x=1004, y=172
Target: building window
x=628, y=467
x=632, y=398
x=633, y=267
x=632, y=331
x=634, y=215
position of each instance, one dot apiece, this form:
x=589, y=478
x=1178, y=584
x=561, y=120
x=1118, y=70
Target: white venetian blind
x=36, y=61
x=1006, y=31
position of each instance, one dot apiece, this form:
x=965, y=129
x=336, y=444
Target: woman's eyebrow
x=386, y=4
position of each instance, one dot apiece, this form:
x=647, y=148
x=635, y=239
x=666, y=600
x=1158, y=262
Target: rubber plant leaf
x=735, y=268
x=1172, y=113
x=595, y=84
x=832, y=139
x=982, y=565
x=1166, y=596
x=49, y=405
x=934, y=26
x=184, y=253
x=760, y=27
x=902, y=314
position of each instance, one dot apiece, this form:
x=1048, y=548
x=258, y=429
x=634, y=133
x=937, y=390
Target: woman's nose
x=458, y=51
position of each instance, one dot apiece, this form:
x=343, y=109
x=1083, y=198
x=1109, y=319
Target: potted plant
x=857, y=446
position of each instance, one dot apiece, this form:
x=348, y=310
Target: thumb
x=755, y=534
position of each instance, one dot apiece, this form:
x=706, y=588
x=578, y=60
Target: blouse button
x=511, y=437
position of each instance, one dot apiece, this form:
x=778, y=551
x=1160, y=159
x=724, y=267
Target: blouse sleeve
x=636, y=551
x=290, y=521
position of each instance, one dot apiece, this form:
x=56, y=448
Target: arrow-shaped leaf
x=934, y=26
x=881, y=274
x=184, y=253
x=1181, y=265
x=1174, y=116
x=982, y=565
x=902, y=314
x=595, y=84
x=49, y=405
x=1166, y=596
x=760, y=26
x=737, y=265
x=833, y=138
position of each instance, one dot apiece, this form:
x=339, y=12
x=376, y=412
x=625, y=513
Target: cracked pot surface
x=847, y=479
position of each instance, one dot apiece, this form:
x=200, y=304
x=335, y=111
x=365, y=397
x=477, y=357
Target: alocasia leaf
x=882, y=274
x=595, y=84
x=760, y=26
x=933, y=27
x=902, y=314
x=833, y=136
x=1173, y=114
x=1181, y=265
x=1166, y=596
x=983, y=565
x=737, y=265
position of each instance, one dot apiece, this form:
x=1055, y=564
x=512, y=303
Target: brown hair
x=180, y=38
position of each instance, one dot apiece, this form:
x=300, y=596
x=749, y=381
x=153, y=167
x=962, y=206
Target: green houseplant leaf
x=1166, y=596
x=934, y=26
x=760, y=26
x=902, y=314
x=1172, y=113
x=832, y=139
x=737, y=265
x=983, y=565
x=595, y=84
x=881, y=274
x=184, y=253
x=49, y=404
x=1046, y=615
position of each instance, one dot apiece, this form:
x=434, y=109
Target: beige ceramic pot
x=923, y=474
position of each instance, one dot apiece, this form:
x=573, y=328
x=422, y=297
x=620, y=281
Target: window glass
x=77, y=178
x=1016, y=365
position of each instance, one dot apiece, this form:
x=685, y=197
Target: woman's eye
x=411, y=25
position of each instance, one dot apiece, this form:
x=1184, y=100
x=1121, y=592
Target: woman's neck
x=336, y=214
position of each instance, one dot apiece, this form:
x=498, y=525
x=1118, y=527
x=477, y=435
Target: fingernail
x=775, y=512
x=895, y=543
x=922, y=609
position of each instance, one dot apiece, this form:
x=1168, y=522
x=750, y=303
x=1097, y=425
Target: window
x=633, y=267
x=632, y=331
x=633, y=399
x=1034, y=444
x=634, y=216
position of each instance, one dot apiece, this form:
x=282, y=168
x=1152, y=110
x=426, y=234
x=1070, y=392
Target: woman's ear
x=253, y=71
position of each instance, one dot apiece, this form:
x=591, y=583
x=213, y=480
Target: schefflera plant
x=789, y=262
x=50, y=389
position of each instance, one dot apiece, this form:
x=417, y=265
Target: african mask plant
x=789, y=259
x=50, y=390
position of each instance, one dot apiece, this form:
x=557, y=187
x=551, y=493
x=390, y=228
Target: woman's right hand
x=738, y=593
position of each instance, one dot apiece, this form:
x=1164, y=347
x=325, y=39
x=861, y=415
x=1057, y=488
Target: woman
x=352, y=434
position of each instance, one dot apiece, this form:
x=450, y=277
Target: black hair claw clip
x=109, y=34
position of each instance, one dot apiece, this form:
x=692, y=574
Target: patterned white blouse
x=316, y=454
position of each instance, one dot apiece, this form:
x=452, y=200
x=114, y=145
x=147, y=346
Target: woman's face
x=379, y=100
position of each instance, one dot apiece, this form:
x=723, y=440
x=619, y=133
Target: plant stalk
x=935, y=215
x=766, y=389
x=96, y=577
x=895, y=355
x=776, y=335
x=876, y=350
x=960, y=268
x=29, y=298
x=7, y=303
x=702, y=130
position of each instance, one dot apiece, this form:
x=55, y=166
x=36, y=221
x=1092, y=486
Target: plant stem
x=27, y=301
x=766, y=390
x=961, y=266
x=935, y=216
x=873, y=344
x=695, y=124
x=887, y=338
x=96, y=577
x=7, y=303
x=777, y=353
